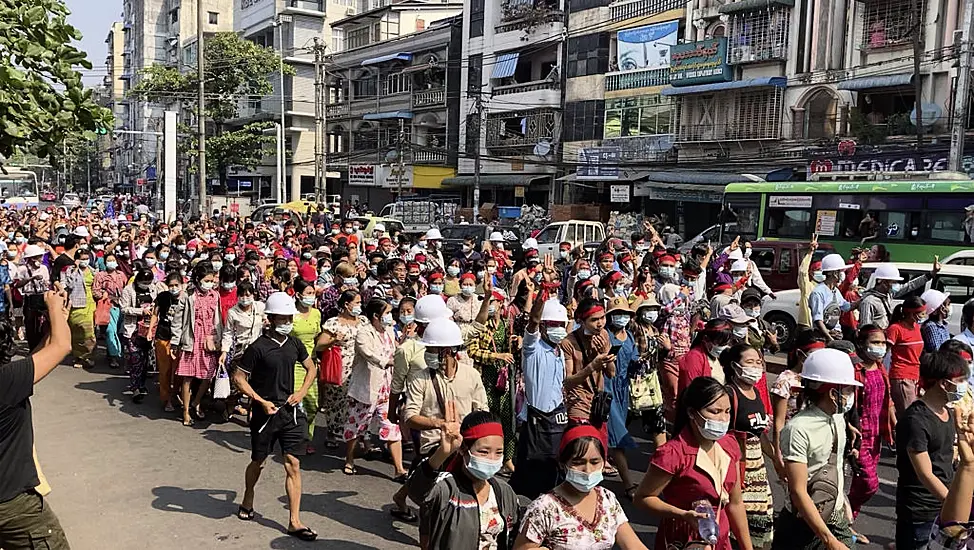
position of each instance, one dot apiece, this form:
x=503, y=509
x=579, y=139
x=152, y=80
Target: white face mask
x=713, y=429
x=749, y=375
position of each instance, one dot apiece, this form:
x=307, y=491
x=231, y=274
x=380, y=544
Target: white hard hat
x=496, y=237
x=431, y=307
x=434, y=234
x=442, y=333
x=887, y=272
x=530, y=243
x=667, y=293
x=834, y=262
x=933, y=299
x=735, y=255
x=739, y=265
x=82, y=231
x=32, y=251
x=554, y=311
x=379, y=227
x=43, y=216
x=829, y=366
x=280, y=303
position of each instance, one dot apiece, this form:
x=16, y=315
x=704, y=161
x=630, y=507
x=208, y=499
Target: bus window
x=789, y=223
x=786, y=261
x=763, y=258
x=961, y=289
x=899, y=226
x=945, y=218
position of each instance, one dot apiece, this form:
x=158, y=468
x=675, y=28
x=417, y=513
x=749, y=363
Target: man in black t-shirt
x=925, y=439
x=26, y=521
x=277, y=412
x=66, y=259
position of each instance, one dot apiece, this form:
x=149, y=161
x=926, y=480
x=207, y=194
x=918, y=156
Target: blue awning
x=505, y=65
x=869, y=82
x=763, y=82
x=401, y=56
x=388, y=115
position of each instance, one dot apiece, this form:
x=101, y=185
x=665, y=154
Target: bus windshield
x=19, y=189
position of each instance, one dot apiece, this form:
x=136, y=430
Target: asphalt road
x=131, y=476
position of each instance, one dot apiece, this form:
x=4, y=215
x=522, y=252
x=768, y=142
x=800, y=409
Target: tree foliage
x=42, y=97
x=234, y=70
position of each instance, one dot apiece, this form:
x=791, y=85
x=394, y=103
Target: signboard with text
x=363, y=175
x=619, y=192
x=890, y=161
x=598, y=163
x=647, y=47
x=700, y=62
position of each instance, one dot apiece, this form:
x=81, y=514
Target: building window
x=476, y=18
x=638, y=116
x=731, y=115
x=521, y=130
x=389, y=26
x=396, y=83
x=364, y=88
x=337, y=39
x=755, y=36
x=214, y=17
x=583, y=120
x=475, y=73
x=174, y=16
x=356, y=38
x=588, y=55
x=890, y=22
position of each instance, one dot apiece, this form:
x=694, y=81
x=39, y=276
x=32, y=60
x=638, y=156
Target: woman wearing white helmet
x=813, y=448
x=33, y=280
x=936, y=329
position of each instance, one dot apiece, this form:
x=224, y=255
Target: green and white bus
x=914, y=216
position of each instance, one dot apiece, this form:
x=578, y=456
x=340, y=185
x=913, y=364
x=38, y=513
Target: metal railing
x=641, y=78
x=637, y=8
x=526, y=87
x=553, y=16
x=336, y=110
x=429, y=157
x=730, y=131
x=430, y=98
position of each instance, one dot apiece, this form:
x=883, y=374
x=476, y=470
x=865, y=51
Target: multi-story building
x=290, y=27
x=115, y=100
x=393, y=113
x=511, y=98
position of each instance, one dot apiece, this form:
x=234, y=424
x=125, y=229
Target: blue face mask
x=483, y=469
x=583, y=482
x=407, y=319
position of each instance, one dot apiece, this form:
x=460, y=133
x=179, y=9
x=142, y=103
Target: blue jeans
x=913, y=535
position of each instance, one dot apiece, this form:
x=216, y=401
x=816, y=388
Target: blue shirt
x=544, y=373
x=5, y=281
x=934, y=334
x=821, y=297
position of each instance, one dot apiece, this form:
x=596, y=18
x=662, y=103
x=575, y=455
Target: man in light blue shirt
x=826, y=302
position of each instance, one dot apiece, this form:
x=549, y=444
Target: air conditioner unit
x=349, y=12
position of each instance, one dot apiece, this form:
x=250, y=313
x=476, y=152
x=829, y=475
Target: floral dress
x=553, y=523
x=200, y=363
x=332, y=414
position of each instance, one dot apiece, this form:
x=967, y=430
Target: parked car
x=778, y=261
x=71, y=200
x=957, y=280
x=576, y=232
x=454, y=235
x=961, y=257
x=49, y=196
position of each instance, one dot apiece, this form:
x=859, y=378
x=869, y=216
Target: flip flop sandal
x=188, y=423
x=403, y=515
x=246, y=514
x=304, y=534
x=631, y=491
x=401, y=478
x=349, y=470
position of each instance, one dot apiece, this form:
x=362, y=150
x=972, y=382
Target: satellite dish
x=392, y=155
x=542, y=149
x=931, y=114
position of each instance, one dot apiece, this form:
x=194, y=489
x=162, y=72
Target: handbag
x=823, y=486
x=210, y=344
x=221, y=386
x=331, y=366
x=601, y=399
x=103, y=312
x=645, y=392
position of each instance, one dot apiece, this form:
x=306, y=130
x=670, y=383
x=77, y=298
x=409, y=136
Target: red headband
x=468, y=277
x=606, y=255
x=582, y=430
x=967, y=356
x=814, y=346
x=667, y=258
x=483, y=430
x=917, y=309
x=498, y=296
x=594, y=310
x=720, y=287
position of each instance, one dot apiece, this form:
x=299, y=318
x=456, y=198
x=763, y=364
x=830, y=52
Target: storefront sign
x=699, y=62
x=245, y=4
x=906, y=161
x=619, y=193
x=800, y=201
x=647, y=47
x=389, y=176
x=362, y=174
x=825, y=223
x=598, y=163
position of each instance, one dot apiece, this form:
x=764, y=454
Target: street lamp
x=281, y=178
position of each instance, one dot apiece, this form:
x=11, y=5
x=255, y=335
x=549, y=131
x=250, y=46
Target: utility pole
x=478, y=101
x=962, y=93
x=321, y=101
x=917, y=83
x=201, y=115
x=399, y=155
x=282, y=175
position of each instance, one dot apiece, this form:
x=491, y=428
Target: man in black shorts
x=277, y=415
x=26, y=520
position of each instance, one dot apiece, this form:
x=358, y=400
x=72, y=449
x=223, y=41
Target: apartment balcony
x=526, y=78
x=526, y=87
x=641, y=78
x=429, y=157
x=521, y=130
x=621, y=11
x=526, y=21
x=429, y=98
x=336, y=110
x=741, y=131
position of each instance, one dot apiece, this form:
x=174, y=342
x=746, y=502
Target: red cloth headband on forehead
x=483, y=430
x=468, y=277
x=594, y=310
x=967, y=356
x=582, y=430
x=814, y=346
x=917, y=309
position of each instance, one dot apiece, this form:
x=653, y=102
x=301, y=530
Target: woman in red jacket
x=702, y=359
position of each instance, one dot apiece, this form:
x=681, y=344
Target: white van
x=577, y=232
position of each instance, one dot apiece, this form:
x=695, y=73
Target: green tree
x=234, y=69
x=42, y=97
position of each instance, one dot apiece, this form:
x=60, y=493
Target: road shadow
x=111, y=390
x=286, y=543
x=235, y=441
x=216, y=504
x=366, y=520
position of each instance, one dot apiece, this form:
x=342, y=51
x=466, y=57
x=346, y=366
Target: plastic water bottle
x=707, y=527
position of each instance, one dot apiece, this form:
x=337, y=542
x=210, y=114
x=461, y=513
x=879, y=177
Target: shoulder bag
x=823, y=487
x=601, y=400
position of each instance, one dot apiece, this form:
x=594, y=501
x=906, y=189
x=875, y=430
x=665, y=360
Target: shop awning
x=763, y=82
x=662, y=191
x=401, y=56
x=881, y=81
x=625, y=175
x=505, y=65
x=751, y=5
x=495, y=180
x=388, y=115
